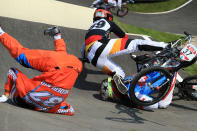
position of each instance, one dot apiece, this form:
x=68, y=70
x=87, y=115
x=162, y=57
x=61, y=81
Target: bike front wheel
x=123, y=11
x=150, y=86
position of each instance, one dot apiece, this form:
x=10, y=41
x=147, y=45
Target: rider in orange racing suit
x=47, y=91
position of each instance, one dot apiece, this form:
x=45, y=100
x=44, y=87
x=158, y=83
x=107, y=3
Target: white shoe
x=120, y=84
x=3, y=98
x=1, y=31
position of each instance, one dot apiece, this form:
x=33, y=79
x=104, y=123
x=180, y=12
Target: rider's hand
x=3, y=98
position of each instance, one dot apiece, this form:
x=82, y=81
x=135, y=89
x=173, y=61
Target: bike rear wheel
x=123, y=11
x=150, y=86
x=113, y=10
x=188, y=87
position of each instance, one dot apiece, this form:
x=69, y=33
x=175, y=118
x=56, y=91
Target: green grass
x=191, y=70
x=156, y=35
x=133, y=129
x=150, y=7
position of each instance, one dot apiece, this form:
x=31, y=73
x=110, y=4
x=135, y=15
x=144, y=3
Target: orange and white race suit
x=48, y=91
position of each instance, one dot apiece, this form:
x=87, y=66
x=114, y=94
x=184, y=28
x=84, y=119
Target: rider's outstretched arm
x=117, y=31
x=60, y=45
x=12, y=45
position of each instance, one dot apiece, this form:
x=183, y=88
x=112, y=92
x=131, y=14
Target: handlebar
x=186, y=33
x=188, y=36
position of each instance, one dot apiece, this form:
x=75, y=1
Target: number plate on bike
x=188, y=53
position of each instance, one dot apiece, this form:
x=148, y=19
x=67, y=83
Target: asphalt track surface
x=92, y=114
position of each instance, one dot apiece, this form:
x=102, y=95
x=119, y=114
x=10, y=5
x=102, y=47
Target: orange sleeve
x=13, y=46
x=60, y=45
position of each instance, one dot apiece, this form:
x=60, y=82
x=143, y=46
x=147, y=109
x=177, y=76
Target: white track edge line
x=167, y=11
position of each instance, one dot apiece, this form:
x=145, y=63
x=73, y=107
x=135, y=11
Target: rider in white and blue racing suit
x=115, y=3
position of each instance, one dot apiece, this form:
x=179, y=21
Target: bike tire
x=189, y=78
x=165, y=89
x=124, y=11
x=186, y=86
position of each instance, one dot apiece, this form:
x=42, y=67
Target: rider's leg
x=112, y=49
x=11, y=78
x=119, y=4
x=99, y=55
x=22, y=83
x=8, y=87
x=97, y=2
x=103, y=60
x=149, y=45
x=145, y=45
x=165, y=102
x=17, y=85
x=115, y=3
x=112, y=2
x=109, y=67
x=13, y=46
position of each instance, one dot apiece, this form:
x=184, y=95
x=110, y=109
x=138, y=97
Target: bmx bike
x=158, y=74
